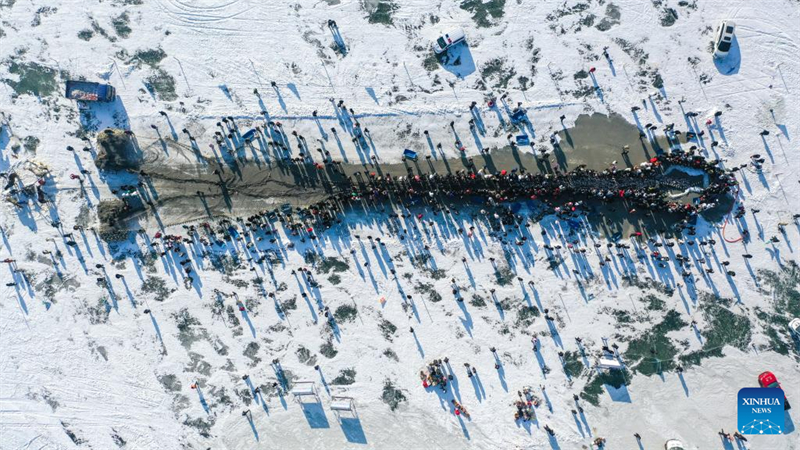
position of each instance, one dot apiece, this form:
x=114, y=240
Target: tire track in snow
x=189, y=6
x=201, y=19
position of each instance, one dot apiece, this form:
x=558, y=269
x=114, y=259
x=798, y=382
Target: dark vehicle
x=88, y=91
x=769, y=380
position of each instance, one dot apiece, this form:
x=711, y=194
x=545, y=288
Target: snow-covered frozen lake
x=83, y=366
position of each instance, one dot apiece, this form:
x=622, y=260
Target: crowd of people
x=526, y=404
x=645, y=186
x=436, y=375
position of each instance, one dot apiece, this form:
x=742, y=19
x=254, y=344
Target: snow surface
x=59, y=371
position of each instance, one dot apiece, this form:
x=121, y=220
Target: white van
x=449, y=39
x=724, y=38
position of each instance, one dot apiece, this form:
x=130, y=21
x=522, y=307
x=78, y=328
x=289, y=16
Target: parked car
x=449, y=39
x=794, y=326
x=673, y=444
x=769, y=380
x=724, y=40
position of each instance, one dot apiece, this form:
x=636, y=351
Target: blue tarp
x=410, y=154
x=523, y=139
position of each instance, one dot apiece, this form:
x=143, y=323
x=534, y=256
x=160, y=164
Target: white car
x=673, y=444
x=449, y=39
x=724, y=40
x=794, y=326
